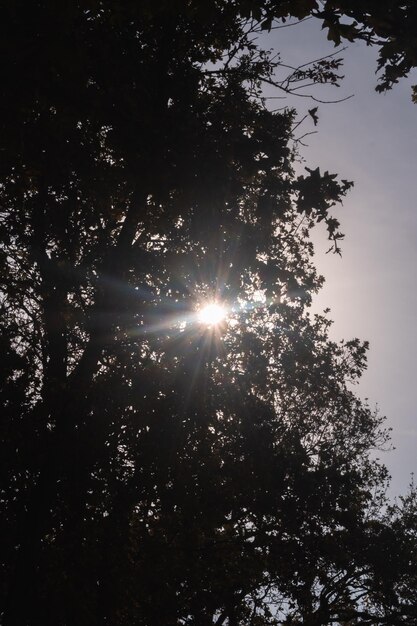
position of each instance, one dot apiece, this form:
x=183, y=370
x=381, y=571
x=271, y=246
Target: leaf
x=313, y=114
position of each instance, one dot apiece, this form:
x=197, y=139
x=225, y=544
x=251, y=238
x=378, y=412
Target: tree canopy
x=160, y=470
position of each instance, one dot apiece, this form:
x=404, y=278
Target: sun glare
x=212, y=314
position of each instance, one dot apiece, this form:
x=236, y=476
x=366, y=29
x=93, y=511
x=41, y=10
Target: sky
x=371, y=290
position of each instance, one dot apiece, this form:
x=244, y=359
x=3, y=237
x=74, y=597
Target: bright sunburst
x=212, y=314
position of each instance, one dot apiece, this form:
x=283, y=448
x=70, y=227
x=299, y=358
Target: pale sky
x=372, y=140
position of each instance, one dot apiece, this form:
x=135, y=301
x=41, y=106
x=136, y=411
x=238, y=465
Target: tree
x=162, y=472
x=388, y=24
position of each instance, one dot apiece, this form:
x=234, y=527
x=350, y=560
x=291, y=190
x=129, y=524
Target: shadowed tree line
x=158, y=471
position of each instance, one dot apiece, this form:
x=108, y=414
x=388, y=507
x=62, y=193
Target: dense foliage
x=159, y=471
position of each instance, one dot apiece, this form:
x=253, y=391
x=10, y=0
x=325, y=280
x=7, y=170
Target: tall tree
x=162, y=470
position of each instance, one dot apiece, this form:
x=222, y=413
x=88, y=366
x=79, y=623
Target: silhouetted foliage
x=159, y=471
x=389, y=24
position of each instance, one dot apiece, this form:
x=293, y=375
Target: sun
x=212, y=314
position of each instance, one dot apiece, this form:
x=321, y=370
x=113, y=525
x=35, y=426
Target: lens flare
x=212, y=314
